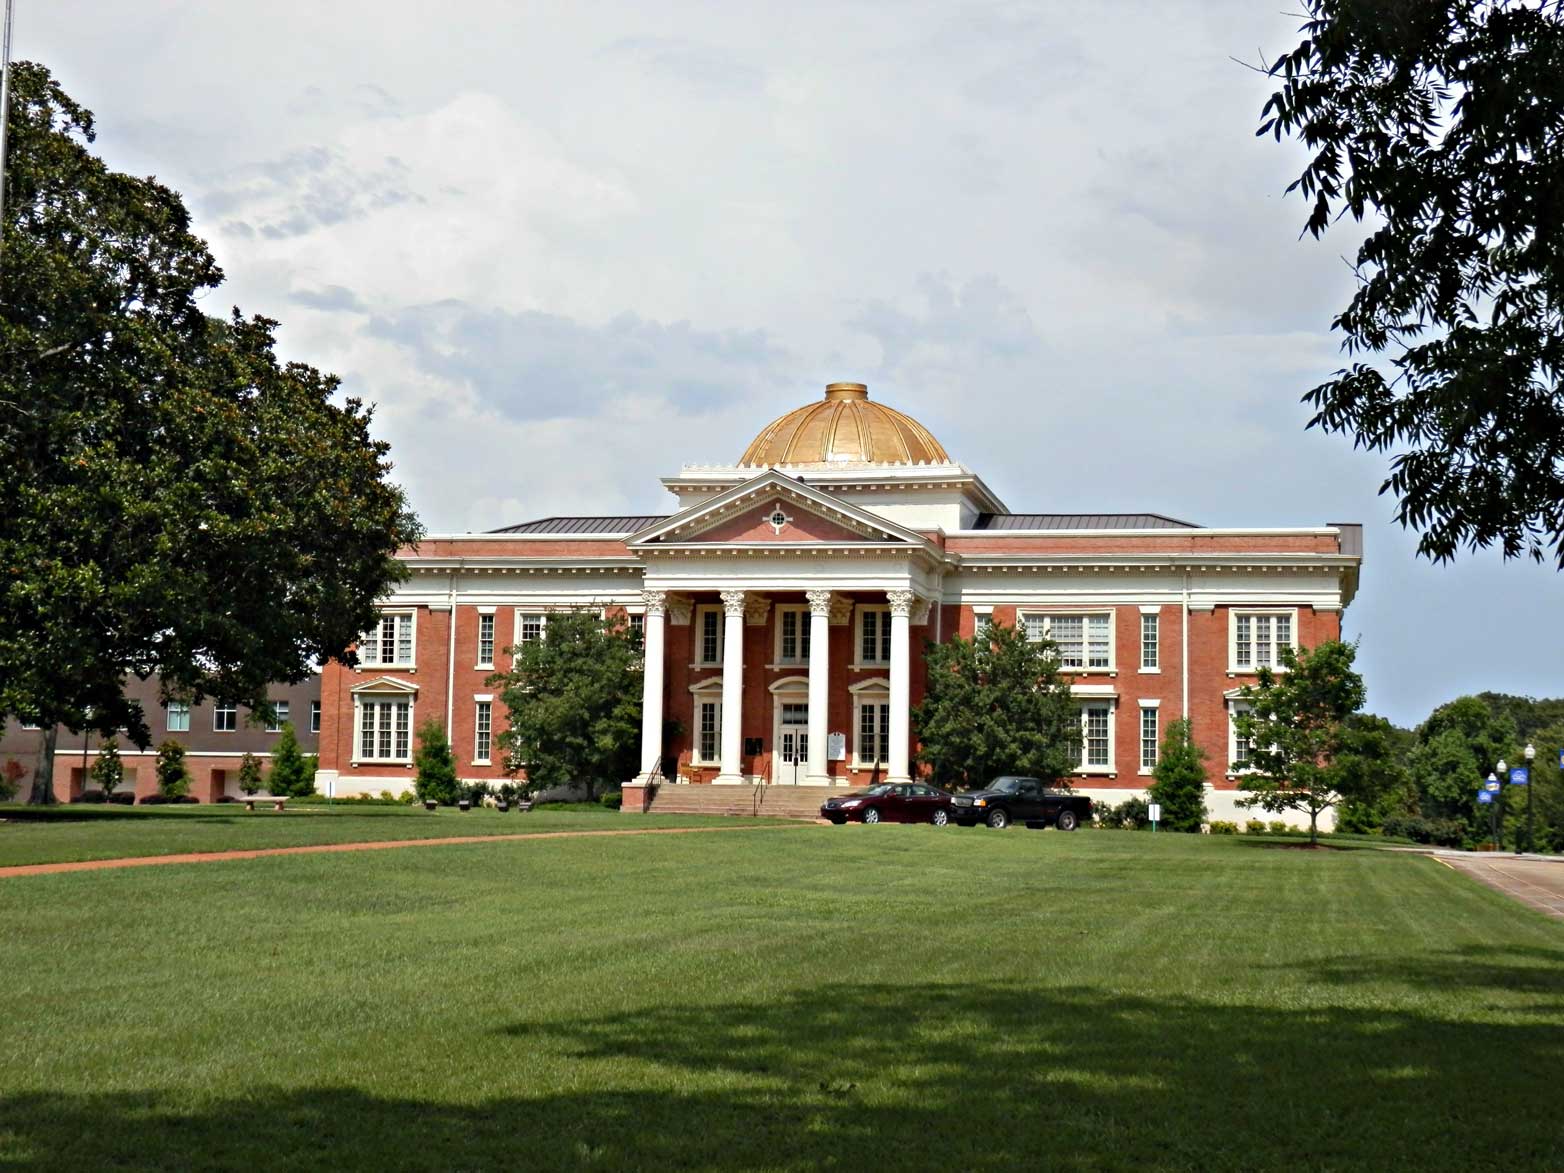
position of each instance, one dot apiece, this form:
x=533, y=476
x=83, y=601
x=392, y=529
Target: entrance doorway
x=790, y=762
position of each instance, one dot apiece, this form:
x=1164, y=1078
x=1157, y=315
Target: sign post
x=1485, y=798
x=1154, y=813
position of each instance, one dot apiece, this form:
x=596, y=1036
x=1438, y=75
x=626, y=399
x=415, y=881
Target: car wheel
x=871, y=815
x=998, y=820
x=1067, y=821
x=940, y=818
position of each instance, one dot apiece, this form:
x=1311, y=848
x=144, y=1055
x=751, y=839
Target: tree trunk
x=1314, y=828
x=43, y=769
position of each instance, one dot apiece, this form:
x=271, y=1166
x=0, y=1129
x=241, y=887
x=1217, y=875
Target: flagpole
x=5, y=114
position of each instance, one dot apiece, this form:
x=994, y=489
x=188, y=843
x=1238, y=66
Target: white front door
x=790, y=762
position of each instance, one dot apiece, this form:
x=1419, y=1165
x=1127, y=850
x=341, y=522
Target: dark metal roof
x=1065, y=521
x=581, y=525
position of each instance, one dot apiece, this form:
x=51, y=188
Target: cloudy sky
x=568, y=247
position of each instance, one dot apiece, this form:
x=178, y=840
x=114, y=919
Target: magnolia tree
x=1298, y=729
x=996, y=704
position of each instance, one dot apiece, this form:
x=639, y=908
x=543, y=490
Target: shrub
x=1180, y=777
x=1254, y=827
x=435, y=777
x=1131, y=813
x=291, y=774
x=1223, y=827
x=1279, y=827
x=407, y=798
x=476, y=792
x=123, y=798
x=249, y=773
x=91, y=796
x=613, y=800
x=11, y=779
x=173, y=779
x=108, y=771
x=167, y=799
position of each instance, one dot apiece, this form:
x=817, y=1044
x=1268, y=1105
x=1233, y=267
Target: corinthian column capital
x=733, y=602
x=656, y=602
x=819, y=602
x=901, y=602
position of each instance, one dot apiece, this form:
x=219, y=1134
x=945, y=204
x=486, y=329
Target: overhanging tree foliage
x=177, y=500
x=1442, y=121
x=996, y=704
x=573, y=703
x=1179, y=779
x=1296, y=726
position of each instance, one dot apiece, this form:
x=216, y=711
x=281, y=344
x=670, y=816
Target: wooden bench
x=277, y=803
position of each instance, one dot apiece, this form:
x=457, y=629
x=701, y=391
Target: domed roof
x=844, y=428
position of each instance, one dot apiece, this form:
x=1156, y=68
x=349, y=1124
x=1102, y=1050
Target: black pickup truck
x=1020, y=800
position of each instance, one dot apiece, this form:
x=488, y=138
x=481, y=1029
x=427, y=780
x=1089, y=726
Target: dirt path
x=1535, y=882
x=139, y=861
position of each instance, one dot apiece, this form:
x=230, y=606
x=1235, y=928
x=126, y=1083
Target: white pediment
x=386, y=684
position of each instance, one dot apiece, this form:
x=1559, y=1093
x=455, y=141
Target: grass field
x=30, y=835
x=855, y=998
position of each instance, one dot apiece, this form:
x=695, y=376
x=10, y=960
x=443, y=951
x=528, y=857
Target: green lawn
x=29, y=835
x=854, y=998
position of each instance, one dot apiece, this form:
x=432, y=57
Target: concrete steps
x=776, y=802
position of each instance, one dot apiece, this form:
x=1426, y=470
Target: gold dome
x=844, y=428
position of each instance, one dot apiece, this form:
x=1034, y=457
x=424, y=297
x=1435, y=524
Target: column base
x=816, y=780
x=729, y=780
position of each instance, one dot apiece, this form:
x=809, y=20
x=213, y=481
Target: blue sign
x=1520, y=776
x=1561, y=759
x=1494, y=785
x=1484, y=797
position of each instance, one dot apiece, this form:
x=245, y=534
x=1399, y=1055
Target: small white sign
x=836, y=747
x=1154, y=812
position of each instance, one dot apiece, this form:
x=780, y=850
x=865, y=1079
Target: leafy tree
x=1457, y=747
x=1376, y=753
x=434, y=766
x=997, y=704
x=249, y=774
x=1180, y=779
x=573, y=703
x=177, y=500
x=290, y=773
x=173, y=776
x=1297, y=728
x=1443, y=122
x=108, y=771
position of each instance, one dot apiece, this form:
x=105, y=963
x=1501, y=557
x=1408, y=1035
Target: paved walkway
x=1538, y=883
x=141, y=861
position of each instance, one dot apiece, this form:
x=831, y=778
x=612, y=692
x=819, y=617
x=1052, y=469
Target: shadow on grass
x=1477, y=969
x=861, y=1076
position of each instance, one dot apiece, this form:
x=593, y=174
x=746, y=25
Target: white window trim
x=858, y=662
x=697, y=627
x=1140, y=736
x=526, y=611
x=1140, y=649
x=482, y=699
x=317, y=711
x=804, y=618
x=1232, y=637
x=279, y=721
x=168, y=709
x=980, y=616
x=383, y=694
x=1048, y=613
x=218, y=706
x=494, y=639
x=868, y=692
x=705, y=696
x=412, y=622
x=1110, y=770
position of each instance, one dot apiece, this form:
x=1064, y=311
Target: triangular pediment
x=773, y=509
x=385, y=684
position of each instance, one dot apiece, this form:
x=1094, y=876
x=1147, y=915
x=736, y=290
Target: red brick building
x=787, y=598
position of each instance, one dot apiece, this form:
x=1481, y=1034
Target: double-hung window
x=708, y=636
x=637, y=623
x=1148, y=738
x=280, y=711
x=483, y=729
x=314, y=716
x=1258, y=636
x=708, y=732
x=530, y=626
x=1238, y=747
x=384, y=729
x=486, y=640
x=178, y=716
x=390, y=643
x=793, y=635
x=1150, y=624
x=874, y=635
x=874, y=733
x=1096, y=735
x=1085, y=641
x=225, y=717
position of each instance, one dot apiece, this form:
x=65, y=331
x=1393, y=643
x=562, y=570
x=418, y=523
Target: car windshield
x=882, y=788
x=1006, y=785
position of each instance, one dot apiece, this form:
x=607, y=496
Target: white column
x=901, y=690
x=819, y=773
x=732, y=686
x=652, y=684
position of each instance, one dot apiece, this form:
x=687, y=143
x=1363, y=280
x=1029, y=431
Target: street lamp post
x=1503, y=770
x=1493, y=826
x=1531, y=784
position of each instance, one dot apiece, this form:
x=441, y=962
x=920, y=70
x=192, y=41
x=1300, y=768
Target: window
x=1085, y=641
x=1238, y=747
x=708, y=635
x=314, y=716
x=225, y=717
x=390, y=644
x=275, y=725
x=481, y=736
x=383, y=730
x=1256, y=637
x=793, y=625
x=1148, y=738
x=873, y=744
x=638, y=624
x=178, y=716
x=486, y=640
x=1096, y=750
x=529, y=626
x=708, y=732
x=1149, y=625
x=874, y=635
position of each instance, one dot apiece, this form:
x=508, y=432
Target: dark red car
x=898, y=802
